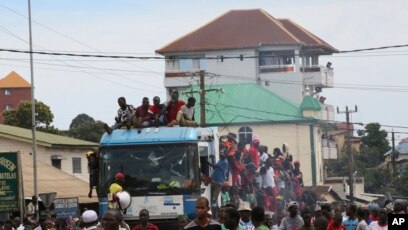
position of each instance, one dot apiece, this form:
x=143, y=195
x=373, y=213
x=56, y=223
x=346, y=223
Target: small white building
x=64, y=153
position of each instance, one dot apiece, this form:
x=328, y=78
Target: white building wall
x=44, y=155
x=235, y=70
x=297, y=136
x=287, y=85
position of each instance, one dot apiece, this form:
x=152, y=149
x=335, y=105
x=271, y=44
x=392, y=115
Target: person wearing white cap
x=293, y=221
x=90, y=219
x=245, y=212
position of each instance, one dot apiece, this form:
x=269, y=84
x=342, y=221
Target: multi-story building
x=13, y=89
x=269, y=72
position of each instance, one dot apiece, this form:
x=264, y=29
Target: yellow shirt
x=113, y=189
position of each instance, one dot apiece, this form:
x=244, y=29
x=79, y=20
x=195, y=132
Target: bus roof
x=159, y=135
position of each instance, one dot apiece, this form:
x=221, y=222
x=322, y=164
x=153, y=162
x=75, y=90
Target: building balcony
x=329, y=149
x=328, y=113
x=276, y=68
x=320, y=76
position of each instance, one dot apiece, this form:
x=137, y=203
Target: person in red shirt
x=253, y=150
x=173, y=106
x=144, y=221
x=336, y=224
x=142, y=114
x=159, y=112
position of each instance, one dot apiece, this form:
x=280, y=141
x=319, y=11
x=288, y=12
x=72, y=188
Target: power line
x=177, y=57
x=386, y=88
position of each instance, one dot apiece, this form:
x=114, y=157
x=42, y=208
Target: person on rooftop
x=173, y=106
x=124, y=118
x=159, y=112
x=185, y=116
x=143, y=116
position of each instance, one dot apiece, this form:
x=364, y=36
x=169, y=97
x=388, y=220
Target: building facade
x=64, y=153
x=263, y=77
x=13, y=89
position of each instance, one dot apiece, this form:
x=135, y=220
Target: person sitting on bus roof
x=143, y=116
x=173, y=106
x=124, y=117
x=159, y=112
x=185, y=116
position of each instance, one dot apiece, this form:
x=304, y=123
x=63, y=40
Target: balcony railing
x=328, y=113
x=318, y=75
x=329, y=149
x=276, y=68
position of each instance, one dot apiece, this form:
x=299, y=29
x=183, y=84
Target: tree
x=21, y=117
x=374, y=145
x=85, y=127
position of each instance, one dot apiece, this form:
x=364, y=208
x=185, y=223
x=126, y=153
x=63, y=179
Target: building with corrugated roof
x=265, y=78
x=64, y=153
x=13, y=89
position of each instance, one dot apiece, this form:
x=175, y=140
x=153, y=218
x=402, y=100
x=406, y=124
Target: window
x=7, y=92
x=245, y=135
x=193, y=63
x=9, y=107
x=186, y=64
x=76, y=165
x=270, y=58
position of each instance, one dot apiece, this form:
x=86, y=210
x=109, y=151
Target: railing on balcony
x=329, y=149
x=318, y=75
x=276, y=68
x=328, y=113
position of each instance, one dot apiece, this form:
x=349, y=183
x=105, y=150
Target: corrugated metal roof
x=245, y=29
x=13, y=80
x=246, y=103
x=310, y=103
x=45, y=139
x=51, y=179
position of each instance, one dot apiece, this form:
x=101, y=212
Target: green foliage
x=376, y=180
x=21, y=117
x=339, y=167
x=399, y=184
x=85, y=127
x=374, y=145
x=10, y=118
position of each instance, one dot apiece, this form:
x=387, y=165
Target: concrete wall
x=44, y=155
x=298, y=139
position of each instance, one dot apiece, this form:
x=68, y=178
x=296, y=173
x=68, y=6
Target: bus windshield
x=162, y=169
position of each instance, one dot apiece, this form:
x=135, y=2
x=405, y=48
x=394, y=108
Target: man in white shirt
x=185, y=116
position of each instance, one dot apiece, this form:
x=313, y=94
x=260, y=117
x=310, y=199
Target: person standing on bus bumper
x=218, y=177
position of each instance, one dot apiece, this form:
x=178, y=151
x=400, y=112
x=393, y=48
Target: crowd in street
x=243, y=217
x=253, y=175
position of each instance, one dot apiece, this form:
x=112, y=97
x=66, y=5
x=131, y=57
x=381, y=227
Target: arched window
x=245, y=134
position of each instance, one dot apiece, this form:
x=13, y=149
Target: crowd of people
x=254, y=175
x=171, y=113
x=231, y=217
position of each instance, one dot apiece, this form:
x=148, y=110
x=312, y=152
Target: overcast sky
x=72, y=85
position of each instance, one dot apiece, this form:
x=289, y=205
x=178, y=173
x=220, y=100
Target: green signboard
x=9, y=182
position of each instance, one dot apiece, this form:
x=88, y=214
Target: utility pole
x=393, y=153
x=202, y=99
x=202, y=93
x=348, y=150
x=33, y=122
